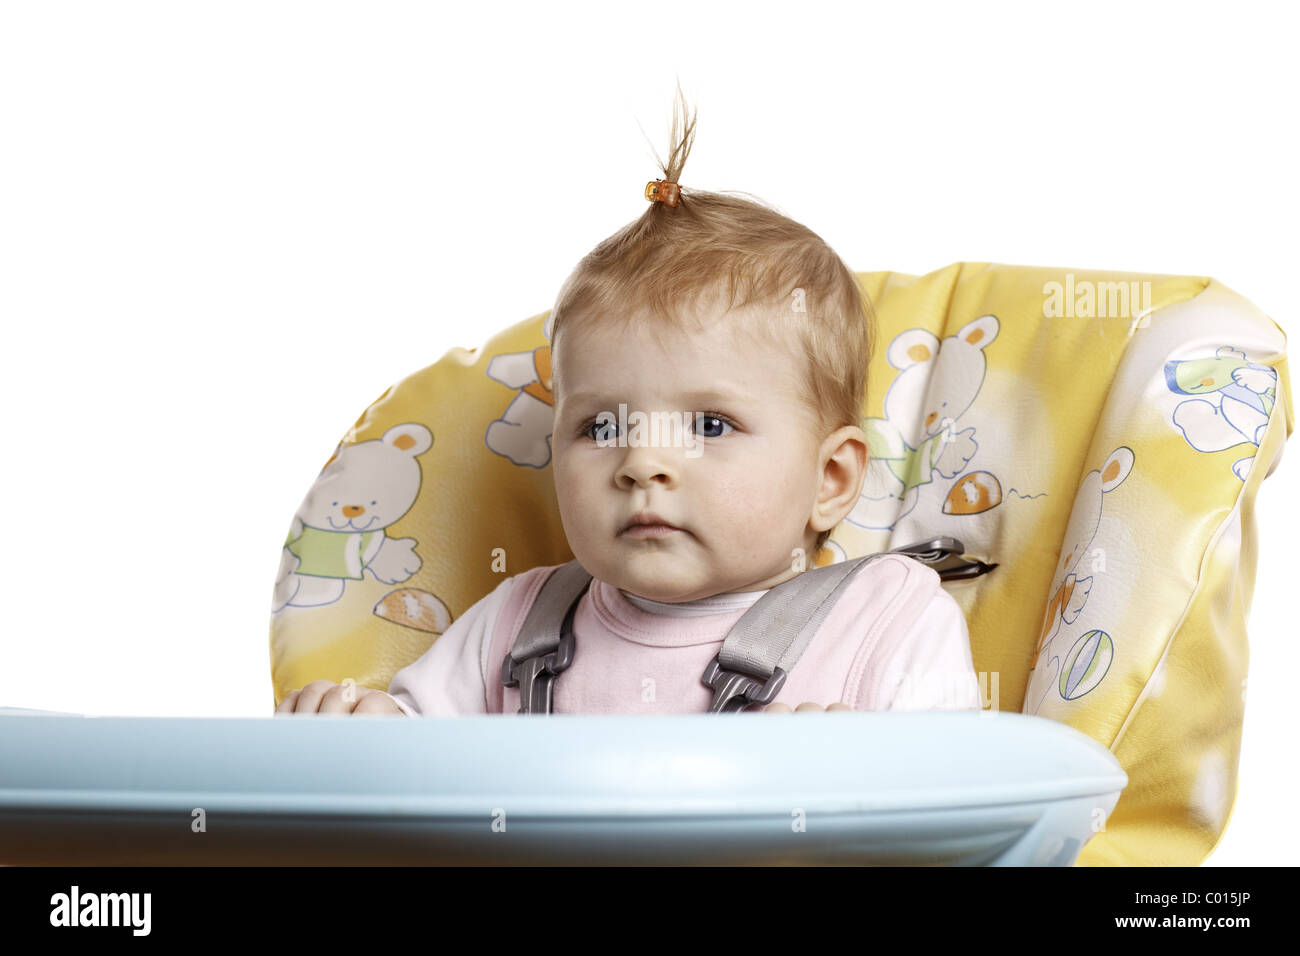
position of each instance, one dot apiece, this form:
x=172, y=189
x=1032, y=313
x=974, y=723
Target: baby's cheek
x=760, y=501
x=573, y=495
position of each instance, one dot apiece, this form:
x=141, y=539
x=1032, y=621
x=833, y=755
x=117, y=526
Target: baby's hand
x=327, y=697
x=805, y=706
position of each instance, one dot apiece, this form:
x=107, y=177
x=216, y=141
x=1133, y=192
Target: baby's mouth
x=650, y=531
x=647, y=524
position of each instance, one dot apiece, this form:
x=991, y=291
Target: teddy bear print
x=338, y=531
x=1238, y=399
x=1069, y=591
x=523, y=432
x=918, y=439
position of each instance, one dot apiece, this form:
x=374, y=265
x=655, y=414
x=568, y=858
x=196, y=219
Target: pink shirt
x=895, y=640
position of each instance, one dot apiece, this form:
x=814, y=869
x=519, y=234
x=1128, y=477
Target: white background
x=226, y=228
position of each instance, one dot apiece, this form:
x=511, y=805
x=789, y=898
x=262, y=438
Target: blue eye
x=712, y=422
x=713, y=426
x=606, y=430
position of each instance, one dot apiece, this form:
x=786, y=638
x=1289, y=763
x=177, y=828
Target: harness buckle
x=944, y=555
x=534, y=676
x=733, y=691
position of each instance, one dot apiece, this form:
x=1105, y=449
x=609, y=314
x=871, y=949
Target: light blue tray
x=927, y=787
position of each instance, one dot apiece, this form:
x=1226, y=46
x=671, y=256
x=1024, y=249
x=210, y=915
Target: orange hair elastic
x=661, y=190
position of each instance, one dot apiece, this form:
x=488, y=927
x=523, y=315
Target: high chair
x=1095, y=441
x=1099, y=437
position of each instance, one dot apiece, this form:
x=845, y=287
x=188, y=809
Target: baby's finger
x=808, y=705
x=341, y=699
x=310, y=698
x=377, y=702
x=777, y=709
x=839, y=705
x=290, y=699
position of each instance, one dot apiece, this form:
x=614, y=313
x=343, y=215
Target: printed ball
x=973, y=493
x=413, y=608
x=1086, y=664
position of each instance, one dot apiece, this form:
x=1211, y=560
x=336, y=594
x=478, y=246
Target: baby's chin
x=659, y=576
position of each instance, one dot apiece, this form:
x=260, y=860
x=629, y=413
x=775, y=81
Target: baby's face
x=740, y=484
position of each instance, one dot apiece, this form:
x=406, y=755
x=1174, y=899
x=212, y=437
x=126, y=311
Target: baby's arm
x=926, y=667
x=450, y=678
x=931, y=668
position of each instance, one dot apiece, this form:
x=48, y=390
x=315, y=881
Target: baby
x=735, y=343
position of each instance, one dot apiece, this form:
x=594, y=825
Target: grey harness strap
x=758, y=652
x=544, y=647
x=768, y=640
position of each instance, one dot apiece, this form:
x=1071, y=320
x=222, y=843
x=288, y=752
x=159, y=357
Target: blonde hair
x=711, y=244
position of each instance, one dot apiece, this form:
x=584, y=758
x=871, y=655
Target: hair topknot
x=728, y=250
x=682, y=138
